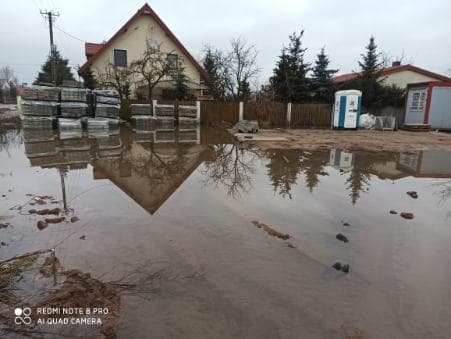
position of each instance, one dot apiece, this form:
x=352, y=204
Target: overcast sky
x=419, y=30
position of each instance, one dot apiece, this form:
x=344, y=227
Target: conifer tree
x=289, y=78
x=62, y=69
x=322, y=83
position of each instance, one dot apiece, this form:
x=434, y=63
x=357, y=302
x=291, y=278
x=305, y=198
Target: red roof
x=92, y=48
x=391, y=70
x=144, y=10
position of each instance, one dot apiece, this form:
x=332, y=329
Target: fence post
x=154, y=105
x=241, y=111
x=289, y=114
x=198, y=112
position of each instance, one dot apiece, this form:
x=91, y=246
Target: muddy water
x=169, y=214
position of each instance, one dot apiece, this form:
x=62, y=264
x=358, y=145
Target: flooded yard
x=182, y=233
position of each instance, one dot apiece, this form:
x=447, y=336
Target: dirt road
x=351, y=140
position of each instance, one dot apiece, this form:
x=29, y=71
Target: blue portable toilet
x=347, y=109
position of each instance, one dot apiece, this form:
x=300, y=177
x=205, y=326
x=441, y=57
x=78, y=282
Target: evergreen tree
x=370, y=80
x=289, y=78
x=62, y=69
x=213, y=65
x=322, y=83
x=181, y=84
x=89, y=79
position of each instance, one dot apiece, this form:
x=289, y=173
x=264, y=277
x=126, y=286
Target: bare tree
x=241, y=68
x=6, y=73
x=153, y=67
x=117, y=77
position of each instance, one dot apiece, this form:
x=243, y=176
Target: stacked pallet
x=416, y=127
x=40, y=107
x=165, y=115
x=142, y=117
x=74, y=107
x=107, y=107
x=187, y=116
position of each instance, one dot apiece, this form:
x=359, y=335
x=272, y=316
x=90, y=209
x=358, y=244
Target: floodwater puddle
x=183, y=233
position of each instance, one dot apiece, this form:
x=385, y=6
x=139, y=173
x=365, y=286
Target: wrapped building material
x=74, y=94
x=37, y=122
x=187, y=123
x=143, y=121
x=107, y=97
x=69, y=123
x=164, y=110
x=385, y=123
x=39, y=108
x=164, y=136
x=73, y=109
x=188, y=111
x=98, y=123
x=141, y=109
x=107, y=111
x=41, y=93
x=35, y=134
x=165, y=123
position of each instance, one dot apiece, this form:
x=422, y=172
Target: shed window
x=172, y=61
x=120, y=57
x=418, y=99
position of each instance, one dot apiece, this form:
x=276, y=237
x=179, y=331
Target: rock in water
x=42, y=224
x=245, y=126
x=345, y=268
x=407, y=215
x=413, y=194
x=341, y=237
x=337, y=266
x=393, y=212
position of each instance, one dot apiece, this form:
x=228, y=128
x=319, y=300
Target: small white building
x=399, y=75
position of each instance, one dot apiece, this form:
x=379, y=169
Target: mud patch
x=271, y=231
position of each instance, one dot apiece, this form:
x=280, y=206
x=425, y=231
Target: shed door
x=416, y=103
x=440, y=109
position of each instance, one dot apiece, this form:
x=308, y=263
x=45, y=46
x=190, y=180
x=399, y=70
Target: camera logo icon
x=22, y=316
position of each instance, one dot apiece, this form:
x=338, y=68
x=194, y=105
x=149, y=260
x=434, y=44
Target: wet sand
x=351, y=140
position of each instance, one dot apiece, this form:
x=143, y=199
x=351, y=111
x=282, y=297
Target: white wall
x=401, y=79
x=134, y=41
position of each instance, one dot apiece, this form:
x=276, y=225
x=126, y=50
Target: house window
x=120, y=57
x=172, y=61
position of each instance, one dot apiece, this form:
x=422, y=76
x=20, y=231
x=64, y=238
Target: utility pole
x=50, y=16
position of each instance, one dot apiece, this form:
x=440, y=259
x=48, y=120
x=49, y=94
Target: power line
x=68, y=34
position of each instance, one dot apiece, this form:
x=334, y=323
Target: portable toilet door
x=347, y=109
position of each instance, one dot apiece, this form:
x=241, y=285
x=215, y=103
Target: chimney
x=396, y=63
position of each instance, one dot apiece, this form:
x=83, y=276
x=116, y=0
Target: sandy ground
x=351, y=140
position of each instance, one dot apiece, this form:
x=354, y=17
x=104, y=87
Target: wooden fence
x=212, y=112
x=311, y=115
x=268, y=114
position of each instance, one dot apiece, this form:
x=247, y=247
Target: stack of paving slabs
x=107, y=105
x=39, y=107
x=165, y=116
x=142, y=117
x=74, y=94
x=187, y=116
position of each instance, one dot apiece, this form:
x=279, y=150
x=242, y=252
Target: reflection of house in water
x=428, y=164
x=148, y=167
x=341, y=159
x=150, y=171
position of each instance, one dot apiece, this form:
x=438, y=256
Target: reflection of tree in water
x=231, y=167
x=285, y=165
x=9, y=138
x=444, y=193
x=360, y=175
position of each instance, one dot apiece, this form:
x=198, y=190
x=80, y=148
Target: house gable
x=133, y=37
